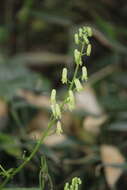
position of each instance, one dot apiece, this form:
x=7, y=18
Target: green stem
x=76, y=70
x=44, y=135
x=37, y=146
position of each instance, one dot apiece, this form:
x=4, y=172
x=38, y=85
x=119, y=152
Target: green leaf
x=10, y=144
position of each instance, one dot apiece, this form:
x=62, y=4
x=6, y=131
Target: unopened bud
x=78, y=85
x=59, y=129
x=58, y=111
x=76, y=39
x=53, y=96
x=66, y=187
x=88, y=51
x=89, y=31
x=84, y=73
x=80, y=32
x=64, y=75
x=86, y=39
x=77, y=56
x=71, y=100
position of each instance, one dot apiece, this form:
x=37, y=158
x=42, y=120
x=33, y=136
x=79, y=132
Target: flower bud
x=78, y=85
x=64, y=75
x=84, y=73
x=58, y=111
x=53, y=96
x=77, y=56
x=59, y=129
x=86, y=39
x=71, y=100
x=66, y=187
x=76, y=39
x=89, y=31
x=80, y=32
x=88, y=51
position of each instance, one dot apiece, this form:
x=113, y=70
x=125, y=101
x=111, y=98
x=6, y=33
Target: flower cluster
x=82, y=40
x=74, y=184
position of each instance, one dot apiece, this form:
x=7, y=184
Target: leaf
x=14, y=77
x=52, y=18
x=43, y=58
x=118, y=126
x=93, y=124
x=110, y=155
x=36, y=100
x=112, y=102
x=10, y=144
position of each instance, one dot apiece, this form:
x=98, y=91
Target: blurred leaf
x=111, y=102
x=120, y=78
x=52, y=18
x=118, y=126
x=4, y=34
x=34, y=99
x=43, y=58
x=109, y=42
x=10, y=144
x=107, y=27
x=14, y=77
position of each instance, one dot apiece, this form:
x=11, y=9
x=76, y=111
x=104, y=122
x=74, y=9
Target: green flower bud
x=89, y=31
x=71, y=100
x=88, y=51
x=64, y=75
x=76, y=39
x=53, y=96
x=66, y=187
x=77, y=56
x=84, y=29
x=59, y=129
x=86, y=39
x=84, y=73
x=78, y=85
x=79, y=181
x=80, y=32
x=57, y=111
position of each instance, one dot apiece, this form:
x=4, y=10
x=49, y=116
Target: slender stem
x=45, y=134
x=76, y=69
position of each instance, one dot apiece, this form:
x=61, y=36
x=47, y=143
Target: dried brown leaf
x=93, y=124
x=111, y=155
x=86, y=100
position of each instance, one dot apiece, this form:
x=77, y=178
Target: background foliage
x=36, y=41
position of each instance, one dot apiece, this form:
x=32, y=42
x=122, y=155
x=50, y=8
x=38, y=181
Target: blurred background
x=36, y=42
